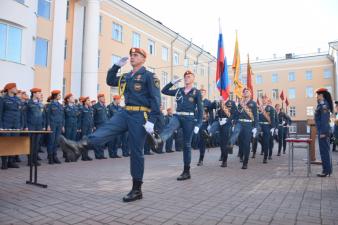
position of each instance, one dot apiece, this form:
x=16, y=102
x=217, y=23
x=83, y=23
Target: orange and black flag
x=236, y=66
x=249, y=78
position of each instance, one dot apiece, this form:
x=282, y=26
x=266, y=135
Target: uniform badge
x=137, y=87
x=191, y=99
x=138, y=77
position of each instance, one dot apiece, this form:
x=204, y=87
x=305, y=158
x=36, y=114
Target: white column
x=90, y=49
x=58, y=44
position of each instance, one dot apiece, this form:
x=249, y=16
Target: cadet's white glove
x=276, y=132
x=208, y=128
x=254, y=132
x=222, y=121
x=196, y=129
x=149, y=127
x=272, y=130
x=175, y=81
x=123, y=61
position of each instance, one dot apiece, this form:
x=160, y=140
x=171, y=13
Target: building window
x=292, y=76
x=10, y=43
x=308, y=75
x=164, y=77
x=177, y=59
x=202, y=71
x=275, y=94
x=151, y=47
x=100, y=24
x=44, y=8
x=274, y=78
x=259, y=79
x=115, y=59
x=292, y=111
x=99, y=58
x=65, y=50
x=41, y=52
x=67, y=12
x=259, y=93
x=186, y=62
x=292, y=93
x=329, y=88
x=309, y=92
x=117, y=32
x=327, y=73
x=309, y=111
x=165, y=53
x=136, y=42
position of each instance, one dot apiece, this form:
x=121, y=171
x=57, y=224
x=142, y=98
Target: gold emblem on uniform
x=133, y=50
x=138, y=77
x=137, y=87
x=191, y=99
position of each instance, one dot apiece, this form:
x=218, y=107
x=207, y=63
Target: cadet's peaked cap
x=84, y=99
x=55, y=92
x=34, y=90
x=81, y=98
x=321, y=90
x=9, y=86
x=115, y=97
x=68, y=96
x=100, y=95
x=188, y=72
x=138, y=50
x=246, y=89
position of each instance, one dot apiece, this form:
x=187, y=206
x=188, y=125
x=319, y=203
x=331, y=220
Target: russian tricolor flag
x=222, y=77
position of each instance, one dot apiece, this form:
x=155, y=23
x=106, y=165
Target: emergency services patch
x=191, y=99
x=137, y=87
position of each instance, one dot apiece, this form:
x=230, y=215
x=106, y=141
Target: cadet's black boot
x=253, y=155
x=17, y=159
x=11, y=163
x=185, y=175
x=73, y=149
x=154, y=140
x=200, y=161
x=50, y=159
x=265, y=161
x=224, y=164
x=4, y=165
x=135, y=193
x=245, y=166
x=55, y=159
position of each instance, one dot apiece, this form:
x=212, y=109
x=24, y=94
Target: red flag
x=249, y=78
x=282, y=95
x=287, y=102
x=222, y=77
x=258, y=103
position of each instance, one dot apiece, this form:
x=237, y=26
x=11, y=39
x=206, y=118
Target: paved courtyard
x=91, y=192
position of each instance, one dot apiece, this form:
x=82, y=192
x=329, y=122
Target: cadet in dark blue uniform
x=274, y=131
x=335, y=128
x=71, y=117
x=10, y=118
x=322, y=120
x=267, y=124
x=246, y=127
x=189, y=101
x=142, y=99
x=283, y=121
x=100, y=117
x=55, y=120
x=202, y=139
x=35, y=120
x=86, y=123
x=169, y=142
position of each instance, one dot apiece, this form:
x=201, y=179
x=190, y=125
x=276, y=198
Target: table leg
x=289, y=158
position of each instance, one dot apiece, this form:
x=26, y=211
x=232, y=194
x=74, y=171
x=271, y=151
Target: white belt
x=185, y=113
x=266, y=123
x=245, y=120
x=223, y=119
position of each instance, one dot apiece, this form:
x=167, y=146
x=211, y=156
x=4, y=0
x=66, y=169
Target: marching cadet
x=71, y=117
x=169, y=142
x=10, y=118
x=202, y=139
x=142, y=98
x=335, y=127
x=227, y=117
x=283, y=121
x=86, y=123
x=55, y=120
x=275, y=130
x=322, y=120
x=246, y=126
x=267, y=124
x=188, y=101
x=35, y=116
x=100, y=117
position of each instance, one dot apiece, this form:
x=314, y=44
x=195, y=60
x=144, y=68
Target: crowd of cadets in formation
x=76, y=118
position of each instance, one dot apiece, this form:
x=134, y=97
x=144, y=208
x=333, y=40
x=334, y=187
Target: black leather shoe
x=4, y=166
x=244, y=167
x=241, y=160
x=17, y=159
x=149, y=153
x=278, y=154
x=323, y=174
x=200, y=163
x=154, y=140
x=56, y=160
x=88, y=158
x=265, y=161
x=133, y=195
x=12, y=165
x=283, y=152
x=115, y=157
x=253, y=155
x=270, y=158
x=184, y=176
x=73, y=149
x=170, y=151
x=224, y=164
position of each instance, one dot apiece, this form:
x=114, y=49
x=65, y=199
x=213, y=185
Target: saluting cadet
x=283, y=121
x=86, y=123
x=100, y=117
x=322, y=120
x=10, y=118
x=142, y=99
x=267, y=124
x=246, y=126
x=55, y=120
x=35, y=116
x=189, y=101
